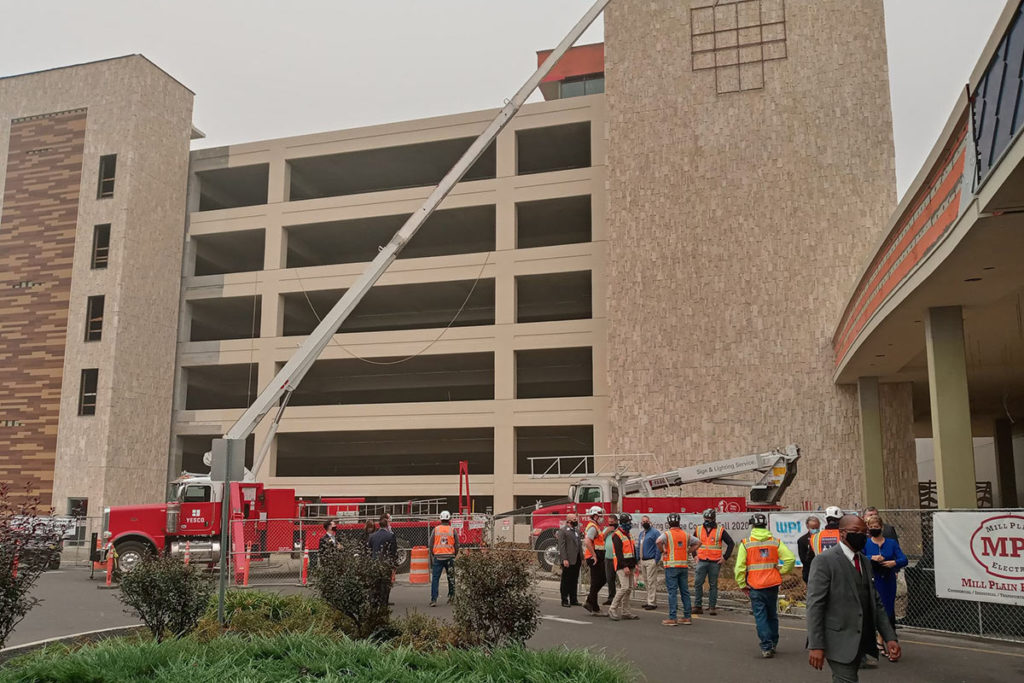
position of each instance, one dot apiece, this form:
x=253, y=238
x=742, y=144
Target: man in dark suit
x=803, y=546
x=384, y=547
x=843, y=609
x=570, y=552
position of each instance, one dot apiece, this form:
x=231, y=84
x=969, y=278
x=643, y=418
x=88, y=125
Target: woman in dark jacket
x=887, y=559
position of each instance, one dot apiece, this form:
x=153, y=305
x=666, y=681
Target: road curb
x=82, y=638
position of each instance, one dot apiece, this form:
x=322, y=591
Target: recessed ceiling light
x=989, y=268
x=973, y=279
x=879, y=355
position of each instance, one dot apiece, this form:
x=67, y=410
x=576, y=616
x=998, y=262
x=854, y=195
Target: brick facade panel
x=37, y=240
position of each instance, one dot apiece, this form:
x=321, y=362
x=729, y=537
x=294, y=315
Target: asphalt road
x=721, y=648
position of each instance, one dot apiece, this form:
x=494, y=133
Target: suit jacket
x=570, y=545
x=835, y=616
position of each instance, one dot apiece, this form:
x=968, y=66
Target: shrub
x=255, y=613
x=495, y=598
x=350, y=581
x=168, y=595
x=427, y=634
x=28, y=541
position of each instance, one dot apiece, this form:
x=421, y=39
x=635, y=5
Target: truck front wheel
x=130, y=554
x=547, y=553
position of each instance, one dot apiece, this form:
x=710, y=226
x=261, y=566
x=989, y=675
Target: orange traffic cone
x=188, y=552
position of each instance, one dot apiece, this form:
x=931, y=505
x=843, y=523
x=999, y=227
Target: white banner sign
x=790, y=526
x=979, y=556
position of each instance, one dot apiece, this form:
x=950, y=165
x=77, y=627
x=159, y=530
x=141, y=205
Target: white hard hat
x=596, y=510
x=445, y=515
x=833, y=512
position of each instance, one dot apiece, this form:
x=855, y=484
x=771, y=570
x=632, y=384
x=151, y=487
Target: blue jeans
x=765, y=603
x=448, y=566
x=675, y=579
x=706, y=569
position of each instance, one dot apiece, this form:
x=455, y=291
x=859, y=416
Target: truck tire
x=130, y=554
x=404, y=556
x=547, y=552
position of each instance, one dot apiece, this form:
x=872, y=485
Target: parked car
x=41, y=539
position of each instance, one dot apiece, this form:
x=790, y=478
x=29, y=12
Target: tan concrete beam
x=871, y=442
x=950, y=407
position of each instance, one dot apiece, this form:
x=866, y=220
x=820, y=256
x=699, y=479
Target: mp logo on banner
x=979, y=556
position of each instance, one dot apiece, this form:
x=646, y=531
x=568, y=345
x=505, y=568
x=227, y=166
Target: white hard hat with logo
x=833, y=512
x=445, y=515
x=596, y=510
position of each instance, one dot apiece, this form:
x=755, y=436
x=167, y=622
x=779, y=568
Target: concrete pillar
x=871, y=442
x=1006, y=471
x=950, y=408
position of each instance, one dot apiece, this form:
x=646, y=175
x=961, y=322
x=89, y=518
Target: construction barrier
x=419, y=569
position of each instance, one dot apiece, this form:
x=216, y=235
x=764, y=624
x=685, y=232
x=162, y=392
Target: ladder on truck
x=765, y=475
x=279, y=391
x=613, y=465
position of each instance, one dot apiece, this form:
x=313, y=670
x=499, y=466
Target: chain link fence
x=916, y=602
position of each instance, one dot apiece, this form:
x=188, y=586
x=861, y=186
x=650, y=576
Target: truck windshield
x=196, y=494
x=590, y=494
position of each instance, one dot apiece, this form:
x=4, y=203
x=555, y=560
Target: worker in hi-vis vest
x=442, y=549
x=827, y=537
x=715, y=548
x=759, y=575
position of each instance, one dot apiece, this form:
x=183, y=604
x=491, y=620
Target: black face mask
x=646, y=526
x=709, y=523
x=875, y=532
x=572, y=523
x=856, y=540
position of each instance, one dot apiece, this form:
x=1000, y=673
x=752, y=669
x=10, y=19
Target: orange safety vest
x=598, y=540
x=444, y=541
x=762, y=563
x=678, y=547
x=824, y=539
x=710, y=543
x=627, y=548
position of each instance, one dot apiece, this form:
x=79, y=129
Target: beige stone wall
x=899, y=457
x=737, y=224
x=135, y=110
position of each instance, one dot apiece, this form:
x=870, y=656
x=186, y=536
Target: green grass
x=301, y=657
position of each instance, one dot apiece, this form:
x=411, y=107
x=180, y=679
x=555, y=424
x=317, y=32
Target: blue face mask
x=626, y=527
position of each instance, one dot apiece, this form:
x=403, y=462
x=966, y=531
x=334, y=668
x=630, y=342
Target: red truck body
x=264, y=520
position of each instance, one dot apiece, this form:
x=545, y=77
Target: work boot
x=684, y=621
x=668, y=622
x=712, y=611
x=650, y=607
x=433, y=603
x=607, y=602
x=767, y=654
x=698, y=610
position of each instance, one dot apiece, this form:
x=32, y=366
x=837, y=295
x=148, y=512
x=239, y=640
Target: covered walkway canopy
x=939, y=308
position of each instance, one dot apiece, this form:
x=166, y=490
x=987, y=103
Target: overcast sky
x=265, y=68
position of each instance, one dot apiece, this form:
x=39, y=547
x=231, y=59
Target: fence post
x=981, y=626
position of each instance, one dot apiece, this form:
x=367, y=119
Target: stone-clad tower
x=750, y=175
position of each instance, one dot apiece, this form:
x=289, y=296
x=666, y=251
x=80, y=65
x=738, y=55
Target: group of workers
x=850, y=568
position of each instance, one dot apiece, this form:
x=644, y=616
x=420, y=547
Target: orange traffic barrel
x=419, y=571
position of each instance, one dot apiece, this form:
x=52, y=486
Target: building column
x=950, y=408
x=871, y=442
x=1006, y=471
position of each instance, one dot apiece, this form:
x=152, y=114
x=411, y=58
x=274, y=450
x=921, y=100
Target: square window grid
x=735, y=38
